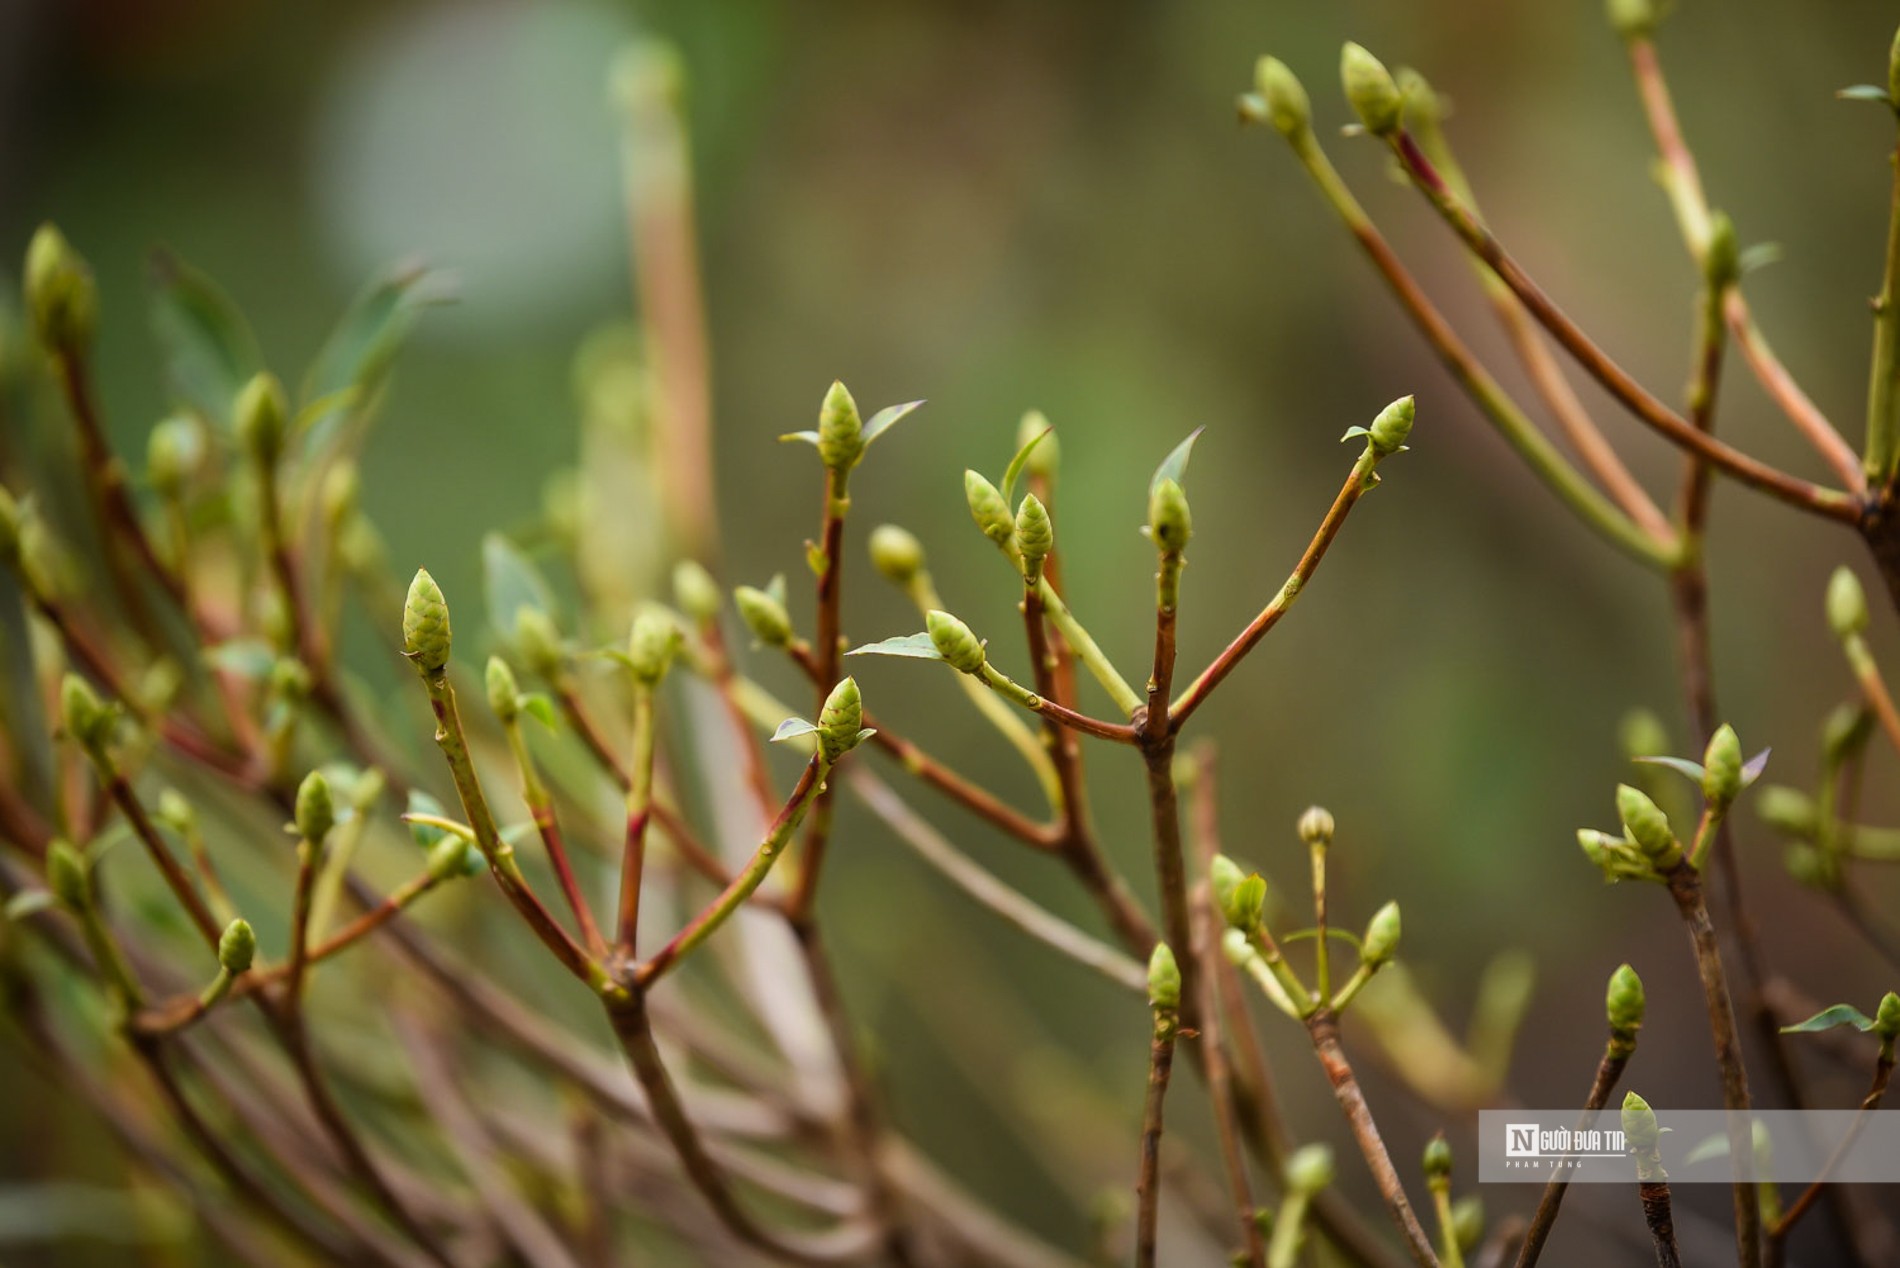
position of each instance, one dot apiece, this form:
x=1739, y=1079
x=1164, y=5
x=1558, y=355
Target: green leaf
x=884, y=419
x=809, y=437
x=1691, y=771
x=917, y=646
x=1758, y=256
x=250, y=658
x=792, y=728
x=1709, y=1150
x=537, y=706
x=1866, y=92
x=1829, y=1018
x=426, y=835
x=29, y=902
x=1353, y=433
x=1174, y=466
x=1755, y=766
x=775, y=589
x=511, y=582
x=365, y=340
x=210, y=352
x=1016, y=465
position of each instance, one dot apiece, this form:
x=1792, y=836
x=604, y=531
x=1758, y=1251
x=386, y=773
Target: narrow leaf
x=1015, y=470
x=1865, y=92
x=1708, y=1150
x=426, y=835
x=537, y=706
x=1758, y=256
x=792, y=728
x=1174, y=466
x=1829, y=1018
x=809, y=437
x=511, y=582
x=884, y=419
x=29, y=902
x=365, y=340
x=1689, y=770
x=210, y=352
x=1756, y=765
x=917, y=646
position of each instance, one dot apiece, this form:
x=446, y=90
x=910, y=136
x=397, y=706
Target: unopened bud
x=696, y=592
x=1624, y=1002
x=173, y=455
x=61, y=297
x=1246, y=902
x=1809, y=866
x=316, y=811
x=1370, y=90
x=237, y=947
x=1394, y=423
x=1309, y=1169
x=1634, y=19
x=896, y=554
x=1316, y=826
x=955, y=642
x=1223, y=875
x=1467, y=1222
x=1288, y=109
x=1722, y=767
x=174, y=811
x=988, y=509
x=840, y=430
x=539, y=640
x=341, y=492
x=1047, y=455
x=1169, y=521
x=1647, y=826
x=87, y=718
x=504, y=693
x=1846, y=603
x=651, y=645
x=426, y=637
x=841, y=721
x=261, y=416
x=451, y=857
x=764, y=615
x=1643, y=734
x=1437, y=1160
x=1846, y=729
x=1887, y=1016
x=1164, y=980
x=1722, y=257
x=1640, y=1131
x=68, y=875
x=1788, y=811
x=1382, y=936
x=1035, y=535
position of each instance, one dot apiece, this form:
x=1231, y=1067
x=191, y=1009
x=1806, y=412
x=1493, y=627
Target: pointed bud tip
x=840, y=430
x=896, y=554
x=1722, y=767
x=988, y=509
x=841, y=720
x=1624, y=1001
x=1389, y=430
x=1382, y=935
x=1035, y=535
x=1370, y=90
x=1164, y=979
x=237, y=947
x=955, y=642
x=426, y=637
x=1846, y=603
x=1288, y=108
x=315, y=808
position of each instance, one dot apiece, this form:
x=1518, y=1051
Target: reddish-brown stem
x=1616, y=1055
x=826, y=649
x=1662, y=1224
x=1883, y=1073
x=1220, y=1080
x=978, y=800
x=1148, y=1177
x=549, y=828
x=168, y=866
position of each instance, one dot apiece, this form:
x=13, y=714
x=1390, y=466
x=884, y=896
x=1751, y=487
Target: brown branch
x=1148, y=1176
x=1616, y=1055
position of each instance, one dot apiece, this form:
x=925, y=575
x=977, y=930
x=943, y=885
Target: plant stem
x=1883, y=1073
x=1220, y=1080
x=534, y=794
x=639, y=811
x=1010, y=689
x=1662, y=1224
x=1453, y=1254
x=1616, y=1055
x=1148, y=1176
x=1873, y=685
x=1083, y=646
x=1883, y=390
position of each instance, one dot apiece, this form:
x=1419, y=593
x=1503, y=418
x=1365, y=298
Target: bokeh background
x=1003, y=206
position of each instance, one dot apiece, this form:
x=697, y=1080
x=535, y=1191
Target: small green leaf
x=1754, y=767
x=1829, y=1018
x=426, y=835
x=885, y=419
x=918, y=646
x=1691, y=771
x=809, y=437
x=1709, y=1150
x=210, y=352
x=1865, y=92
x=1353, y=433
x=29, y=902
x=250, y=658
x=1016, y=465
x=313, y=412
x=511, y=582
x=792, y=728
x=364, y=342
x=1174, y=466
x=815, y=559
x=775, y=589
x=537, y=706
x=1758, y=256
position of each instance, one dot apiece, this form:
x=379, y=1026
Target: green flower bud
x=1309, y=1169
x=1846, y=729
x=1722, y=257
x=426, y=636
x=1316, y=826
x=174, y=811
x=1424, y=111
x=1035, y=535
x=1624, y=1002
x=840, y=430
x=61, y=297
x=237, y=948
x=1846, y=603
x=1245, y=903
x=87, y=719
x=504, y=693
x=764, y=615
x=452, y=857
x=896, y=554
x=1788, y=811
x=261, y=415
x=68, y=875
x=1634, y=19
x=1467, y=1222
x=539, y=640
x=1643, y=734
x=841, y=721
x=341, y=492
x=1169, y=522
x=1370, y=90
x=955, y=642
x=1640, y=1131
x=1394, y=423
x=1437, y=1161
x=289, y=679
x=1047, y=455
x=696, y=592
x=174, y=454
x=1234, y=945
x=1164, y=980
x=1288, y=109
x=988, y=509
x=1382, y=936
x=1887, y=1016
x=651, y=645
x=1223, y=877
x=316, y=811
x=1647, y=826
x=1722, y=767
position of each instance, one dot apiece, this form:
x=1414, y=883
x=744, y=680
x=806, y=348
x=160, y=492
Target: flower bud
x=87, y=719
x=237, y=948
x=988, y=509
x=1394, y=423
x=289, y=679
x=1640, y=1131
x=61, y=297
x=1047, y=455
x=1647, y=826
x=1634, y=19
x=1035, y=535
x=1624, y=1002
x=896, y=554
x=840, y=430
x=425, y=624
x=1370, y=90
x=1245, y=903
x=174, y=811
x=1846, y=729
x=1722, y=767
x=68, y=875
x=1164, y=980
x=696, y=592
x=1437, y=1160
x=1887, y=1016
x=1309, y=1169
x=1234, y=945
x=451, y=857
x=173, y=455
x=316, y=811
x=504, y=693
x=261, y=415
x=341, y=492
x=651, y=645
x=1382, y=936
x=1316, y=826
x=841, y=720
x=1846, y=603
x=539, y=640
x=1643, y=735
x=955, y=642
x=1169, y=522
x=764, y=615
x=1467, y=1222
x=1722, y=257
x=1288, y=109
x=1223, y=877
x=1788, y=811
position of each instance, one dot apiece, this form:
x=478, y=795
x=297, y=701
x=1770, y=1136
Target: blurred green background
x=1004, y=206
